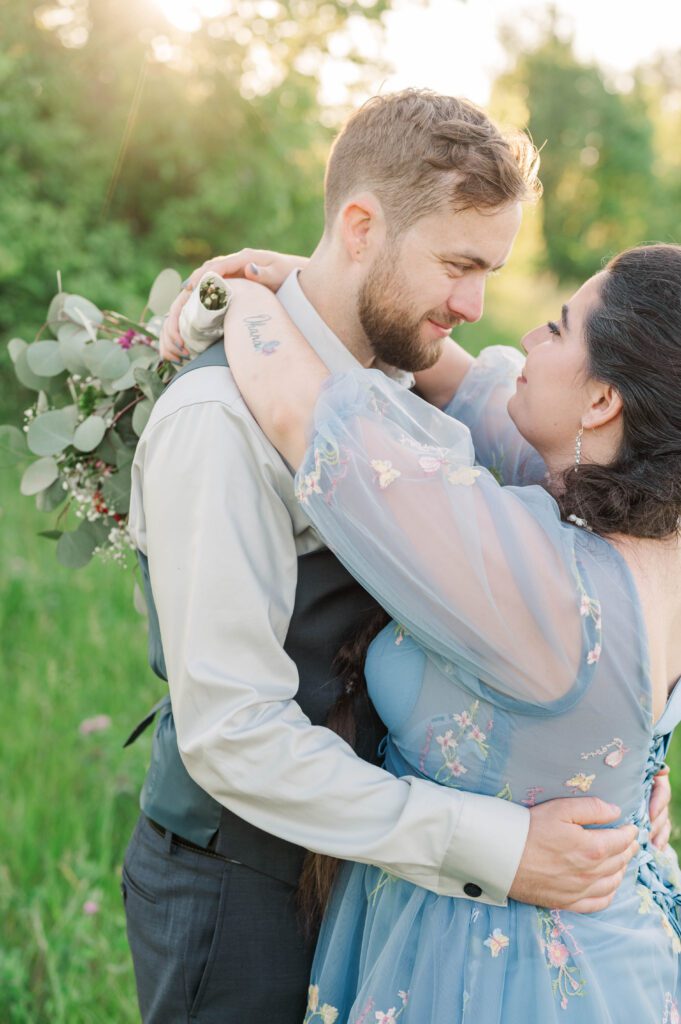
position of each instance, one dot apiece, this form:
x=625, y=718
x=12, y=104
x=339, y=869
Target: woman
x=537, y=638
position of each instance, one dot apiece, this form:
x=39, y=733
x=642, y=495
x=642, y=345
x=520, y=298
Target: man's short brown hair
x=418, y=151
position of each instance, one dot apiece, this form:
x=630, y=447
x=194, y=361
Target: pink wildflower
x=97, y=724
x=90, y=907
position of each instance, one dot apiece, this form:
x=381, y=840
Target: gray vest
x=330, y=606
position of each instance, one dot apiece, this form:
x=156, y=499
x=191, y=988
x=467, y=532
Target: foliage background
x=126, y=147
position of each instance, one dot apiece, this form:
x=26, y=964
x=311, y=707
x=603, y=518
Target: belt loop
x=168, y=839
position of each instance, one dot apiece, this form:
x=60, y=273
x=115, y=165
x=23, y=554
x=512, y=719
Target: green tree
x=597, y=153
x=126, y=145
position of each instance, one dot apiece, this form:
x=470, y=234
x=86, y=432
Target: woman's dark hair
x=353, y=705
x=633, y=341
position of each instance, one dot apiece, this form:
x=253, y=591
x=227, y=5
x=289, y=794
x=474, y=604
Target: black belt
x=187, y=844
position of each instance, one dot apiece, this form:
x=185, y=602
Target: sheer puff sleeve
x=481, y=402
x=485, y=577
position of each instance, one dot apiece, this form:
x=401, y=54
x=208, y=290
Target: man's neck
x=327, y=287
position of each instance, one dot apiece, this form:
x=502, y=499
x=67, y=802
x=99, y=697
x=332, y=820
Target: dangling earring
x=578, y=448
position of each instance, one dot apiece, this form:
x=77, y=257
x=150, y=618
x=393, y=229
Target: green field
x=72, y=647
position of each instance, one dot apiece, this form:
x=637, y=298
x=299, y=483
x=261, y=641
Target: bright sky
x=452, y=46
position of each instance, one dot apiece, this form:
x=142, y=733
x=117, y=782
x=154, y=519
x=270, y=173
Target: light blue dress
x=516, y=667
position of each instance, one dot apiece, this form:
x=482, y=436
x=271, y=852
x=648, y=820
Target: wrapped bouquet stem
x=202, y=316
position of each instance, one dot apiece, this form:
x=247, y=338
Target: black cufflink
x=473, y=890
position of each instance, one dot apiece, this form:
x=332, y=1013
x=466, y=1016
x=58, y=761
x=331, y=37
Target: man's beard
x=393, y=332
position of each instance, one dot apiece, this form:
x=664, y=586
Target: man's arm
x=223, y=568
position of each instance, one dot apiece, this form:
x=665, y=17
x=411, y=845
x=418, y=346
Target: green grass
x=72, y=647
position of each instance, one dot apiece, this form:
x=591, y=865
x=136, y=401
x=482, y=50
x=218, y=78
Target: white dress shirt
x=214, y=511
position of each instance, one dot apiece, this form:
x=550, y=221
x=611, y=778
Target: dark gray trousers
x=213, y=942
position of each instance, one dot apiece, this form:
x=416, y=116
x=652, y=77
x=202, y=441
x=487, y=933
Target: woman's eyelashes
x=553, y=328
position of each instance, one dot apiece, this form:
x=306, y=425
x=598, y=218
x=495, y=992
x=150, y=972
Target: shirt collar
x=328, y=346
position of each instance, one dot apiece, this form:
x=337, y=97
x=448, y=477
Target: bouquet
x=96, y=376
x=202, y=316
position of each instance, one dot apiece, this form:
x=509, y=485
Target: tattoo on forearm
x=253, y=326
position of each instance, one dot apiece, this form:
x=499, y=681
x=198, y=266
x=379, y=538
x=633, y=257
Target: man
x=422, y=202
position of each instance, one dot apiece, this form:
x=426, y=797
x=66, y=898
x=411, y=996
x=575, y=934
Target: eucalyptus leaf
x=124, y=452
x=89, y=433
x=105, y=359
x=39, y=476
x=72, y=349
x=143, y=355
x=164, y=291
x=42, y=405
x=139, y=601
x=45, y=359
x=141, y=415
x=106, y=450
x=68, y=331
x=125, y=382
x=30, y=379
x=15, y=347
x=51, y=534
x=76, y=548
x=76, y=308
x=13, y=446
x=52, y=498
x=55, y=314
x=50, y=433
x=116, y=491
x=149, y=383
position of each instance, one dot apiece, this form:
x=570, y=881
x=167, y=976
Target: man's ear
x=606, y=406
x=362, y=226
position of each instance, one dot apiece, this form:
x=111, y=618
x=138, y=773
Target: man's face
x=430, y=279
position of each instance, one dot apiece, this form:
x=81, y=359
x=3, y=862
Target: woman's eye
x=553, y=328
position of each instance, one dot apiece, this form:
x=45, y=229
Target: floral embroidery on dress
x=645, y=899
x=466, y=476
x=505, y=793
x=590, y=608
x=580, y=782
x=385, y=878
x=671, y=1010
x=532, y=794
x=435, y=459
x=325, y=1013
x=386, y=474
x=399, y=632
x=497, y=942
x=555, y=940
x=614, y=752
x=309, y=483
x=675, y=940
x=452, y=740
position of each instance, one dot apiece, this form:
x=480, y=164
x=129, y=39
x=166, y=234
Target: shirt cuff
x=485, y=849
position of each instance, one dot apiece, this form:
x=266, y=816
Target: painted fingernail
x=254, y=269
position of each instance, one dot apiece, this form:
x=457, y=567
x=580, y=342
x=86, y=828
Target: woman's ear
x=605, y=406
x=362, y=226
